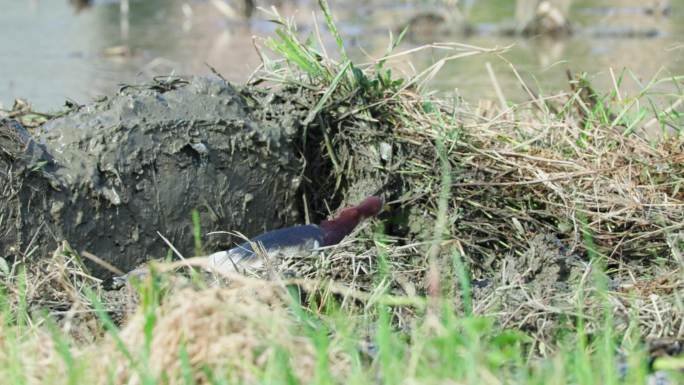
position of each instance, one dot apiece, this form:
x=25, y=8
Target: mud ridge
x=113, y=176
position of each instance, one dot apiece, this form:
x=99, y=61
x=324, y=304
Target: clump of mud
x=110, y=177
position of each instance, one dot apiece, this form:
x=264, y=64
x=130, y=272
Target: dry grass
x=235, y=332
x=249, y=328
x=543, y=200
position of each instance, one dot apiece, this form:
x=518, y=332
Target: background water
x=52, y=51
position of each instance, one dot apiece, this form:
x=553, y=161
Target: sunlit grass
x=349, y=345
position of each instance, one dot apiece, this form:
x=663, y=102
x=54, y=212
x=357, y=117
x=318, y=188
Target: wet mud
x=115, y=176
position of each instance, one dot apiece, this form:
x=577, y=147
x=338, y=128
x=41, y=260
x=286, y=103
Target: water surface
x=53, y=52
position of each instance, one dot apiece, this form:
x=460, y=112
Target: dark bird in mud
x=297, y=240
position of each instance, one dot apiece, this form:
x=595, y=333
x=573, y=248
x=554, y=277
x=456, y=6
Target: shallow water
x=53, y=52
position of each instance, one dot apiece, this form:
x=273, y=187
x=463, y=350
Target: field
x=532, y=243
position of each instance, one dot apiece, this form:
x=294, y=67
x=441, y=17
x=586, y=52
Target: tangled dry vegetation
x=536, y=195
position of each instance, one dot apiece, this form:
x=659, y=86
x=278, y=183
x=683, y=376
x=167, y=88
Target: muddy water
x=53, y=52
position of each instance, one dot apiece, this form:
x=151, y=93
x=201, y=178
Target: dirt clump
x=111, y=176
x=545, y=265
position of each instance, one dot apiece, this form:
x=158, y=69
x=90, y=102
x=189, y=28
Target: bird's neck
x=336, y=229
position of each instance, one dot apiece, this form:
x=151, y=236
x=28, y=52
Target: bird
x=295, y=240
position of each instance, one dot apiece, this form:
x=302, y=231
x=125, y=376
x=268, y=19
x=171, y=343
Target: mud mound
x=108, y=176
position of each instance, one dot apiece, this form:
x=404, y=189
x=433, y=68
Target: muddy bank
x=108, y=177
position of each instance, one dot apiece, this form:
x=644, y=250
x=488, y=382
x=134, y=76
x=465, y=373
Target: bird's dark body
x=291, y=241
x=295, y=240
x=291, y=237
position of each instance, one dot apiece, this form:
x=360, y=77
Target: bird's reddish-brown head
x=370, y=206
x=336, y=229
